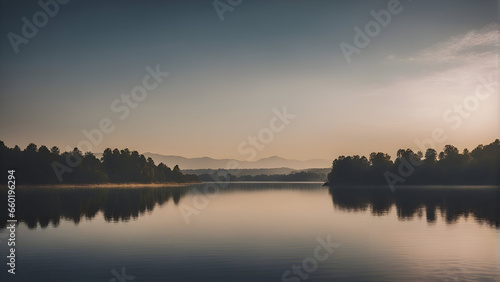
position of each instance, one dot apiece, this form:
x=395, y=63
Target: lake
x=255, y=232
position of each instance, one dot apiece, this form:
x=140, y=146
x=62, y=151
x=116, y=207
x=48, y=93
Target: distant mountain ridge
x=211, y=163
x=256, y=171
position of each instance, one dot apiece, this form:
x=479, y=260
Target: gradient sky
x=226, y=77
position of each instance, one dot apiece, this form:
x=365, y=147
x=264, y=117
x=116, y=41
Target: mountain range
x=211, y=163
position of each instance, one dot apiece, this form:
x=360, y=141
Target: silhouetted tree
x=33, y=165
x=430, y=157
x=481, y=166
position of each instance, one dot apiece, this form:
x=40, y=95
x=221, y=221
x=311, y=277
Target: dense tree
x=430, y=157
x=34, y=165
x=478, y=167
x=348, y=170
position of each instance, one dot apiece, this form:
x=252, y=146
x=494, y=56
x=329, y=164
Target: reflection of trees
x=44, y=206
x=482, y=203
x=48, y=205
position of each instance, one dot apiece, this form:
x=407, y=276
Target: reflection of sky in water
x=252, y=232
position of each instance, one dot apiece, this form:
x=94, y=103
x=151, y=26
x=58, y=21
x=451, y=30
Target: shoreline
x=107, y=185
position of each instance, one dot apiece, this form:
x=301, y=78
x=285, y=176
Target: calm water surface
x=256, y=232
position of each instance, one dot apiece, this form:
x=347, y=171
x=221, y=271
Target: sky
x=429, y=71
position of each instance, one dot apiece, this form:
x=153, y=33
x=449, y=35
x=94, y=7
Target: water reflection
x=481, y=203
x=46, y=206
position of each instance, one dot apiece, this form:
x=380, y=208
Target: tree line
x=448, y=167
x=294, y=176
x=35, y=165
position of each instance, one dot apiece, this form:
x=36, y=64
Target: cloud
x=449, y=67
x=464, y=48
x=443, y=74
x=446, y=81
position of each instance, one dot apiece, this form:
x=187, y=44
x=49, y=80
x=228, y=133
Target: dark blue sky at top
x=92, y=51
